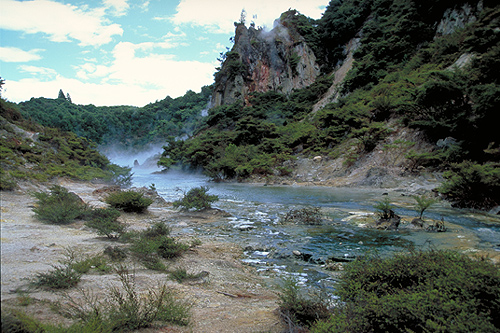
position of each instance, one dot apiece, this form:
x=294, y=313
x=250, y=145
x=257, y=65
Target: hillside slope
x=30, y=151
x=386, y=69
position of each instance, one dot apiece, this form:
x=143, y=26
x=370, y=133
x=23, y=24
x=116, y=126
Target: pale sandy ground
x=29, y=246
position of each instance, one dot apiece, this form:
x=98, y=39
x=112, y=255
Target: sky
x=123, y=52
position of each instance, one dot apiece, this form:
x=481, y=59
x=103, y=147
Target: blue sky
x=123, y=52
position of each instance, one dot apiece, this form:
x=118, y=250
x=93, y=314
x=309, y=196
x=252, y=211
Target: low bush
x=384, y=209
x=129, y=201
x=472, y=185
x=59, y=206
x=431, y=291
x=154, y=243
x=115, y=253
x=196, y=198
x=105, y=222
x=60, y=277
x=180, y=275
x=423, y=202
x=84, y=265
x=125, y=309
x=297, y=310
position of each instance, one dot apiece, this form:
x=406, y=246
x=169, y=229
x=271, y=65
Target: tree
x=61, y=95
x=243, y=16
x=2, y=82
x=68, y=98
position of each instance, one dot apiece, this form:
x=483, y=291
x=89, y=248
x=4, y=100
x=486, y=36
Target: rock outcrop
x=261, y=61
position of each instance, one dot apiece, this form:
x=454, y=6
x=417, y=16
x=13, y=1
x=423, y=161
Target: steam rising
x=145, y=159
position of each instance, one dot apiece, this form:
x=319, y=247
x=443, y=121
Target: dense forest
x=406, y=73
x=126, y=126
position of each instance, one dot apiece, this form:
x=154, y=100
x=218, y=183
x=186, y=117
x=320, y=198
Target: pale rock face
x=277, y=60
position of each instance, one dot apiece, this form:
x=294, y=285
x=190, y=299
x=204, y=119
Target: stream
x=269, y=244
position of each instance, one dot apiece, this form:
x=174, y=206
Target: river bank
x=231, y=297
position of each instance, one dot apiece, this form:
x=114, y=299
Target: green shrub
x=61, y=277
x=59, y=206
x=197, y=199
x=129, y=201
x=6, y=181
x=125, y=309
x=154, y=243
x=298, y=310
x=432, y=291
x=104, y=221
x=423, y=202
x=180, y=275
x=472, y=185
x=84, y=265
x=384, y=209
x=115, y=253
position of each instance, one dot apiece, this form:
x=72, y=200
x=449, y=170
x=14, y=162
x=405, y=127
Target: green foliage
x=196, y=198
x=60, y=277
x=105, y=222
x=473, y=185
x=423, y=202
x=180, y=275
x=51, y=153
x=125, y=309
x=154, y=243
x=384, y=209
x=115, y=253
x=298, y=310
x=84, y=265
x=131, y=126
x=59, y=206
x=19, y=322
x=7, y=183
x=441, y=291
x=128, y=201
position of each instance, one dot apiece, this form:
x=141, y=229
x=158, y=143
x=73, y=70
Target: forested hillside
x=421, y=65
x=33, y=152
x=343, y=87
x=124, y=126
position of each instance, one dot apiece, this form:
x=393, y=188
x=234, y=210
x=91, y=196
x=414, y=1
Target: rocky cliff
x=260, y=61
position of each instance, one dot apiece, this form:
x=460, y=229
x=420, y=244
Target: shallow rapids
x=278, y=249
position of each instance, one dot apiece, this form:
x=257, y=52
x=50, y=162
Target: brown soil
x=231, y=298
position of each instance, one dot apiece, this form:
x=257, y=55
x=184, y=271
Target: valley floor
x=232, y=298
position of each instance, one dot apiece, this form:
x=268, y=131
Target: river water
x=256, y=224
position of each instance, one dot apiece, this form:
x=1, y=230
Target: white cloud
x=58, y=21
x=13, y=54
x=41, y=72
x=133, y=78
x=219, y=15
x=119, y=7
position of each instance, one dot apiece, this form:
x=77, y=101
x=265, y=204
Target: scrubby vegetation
x=129, y=201
x=120, y=309
x=59, y=206
x=422, y=291
x=196, y=198
x=105, y=222
x=154, y=244
x=32, y=152
x=125, y=309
